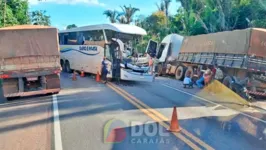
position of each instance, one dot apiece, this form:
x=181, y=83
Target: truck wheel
x=62, y=64
x=67, y=67
x=189, y=71
x=227, y=81
x=180, y=73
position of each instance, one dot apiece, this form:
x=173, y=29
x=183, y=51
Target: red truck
x=240, y=56
x=29, y=60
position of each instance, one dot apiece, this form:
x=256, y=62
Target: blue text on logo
x=88, y=48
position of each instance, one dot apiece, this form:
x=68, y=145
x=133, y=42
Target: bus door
x=116, y=55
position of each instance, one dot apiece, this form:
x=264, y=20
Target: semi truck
x=240, y=56
x=29, y=60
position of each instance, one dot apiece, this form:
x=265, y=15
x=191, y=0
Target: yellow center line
x=164, y=118
x=151, y=115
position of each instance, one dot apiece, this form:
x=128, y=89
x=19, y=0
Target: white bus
x=83, y=48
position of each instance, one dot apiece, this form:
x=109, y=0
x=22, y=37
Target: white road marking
x=57, y=130
x=203, y=99
x=216, y=106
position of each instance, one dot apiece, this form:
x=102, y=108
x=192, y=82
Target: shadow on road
x=145, y=136
x=84, y=103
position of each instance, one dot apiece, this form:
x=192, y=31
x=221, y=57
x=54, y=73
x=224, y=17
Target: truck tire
x=189, y=71
x=180, y=72
x=67, y=67
x=62, y=63
x=227, y=81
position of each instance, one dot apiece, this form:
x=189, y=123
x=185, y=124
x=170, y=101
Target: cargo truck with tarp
x=29, y=60
x=240, y=56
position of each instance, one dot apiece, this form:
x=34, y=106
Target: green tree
x=71, y=26
x=155, y=26
x=128, y=13
x=121, y=18
x=14, y=12
x=160, y=6
x=39, y=18
x=221, y=15
x=112, y=15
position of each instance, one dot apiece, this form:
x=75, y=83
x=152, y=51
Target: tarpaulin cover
x=229, y=42
x=28, y=40
x=247, y=41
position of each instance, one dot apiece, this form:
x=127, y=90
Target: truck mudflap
x=256, y=93
x=129, y=75
x=31, y=93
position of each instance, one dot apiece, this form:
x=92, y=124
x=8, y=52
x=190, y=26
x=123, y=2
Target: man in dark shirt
x=104, y=70
x=214, y=69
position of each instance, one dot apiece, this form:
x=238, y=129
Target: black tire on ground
x=160, y=69
x=180, y=72
x=67, y=67
x=12, y=98
x=227, y=81
x=189, y=70
x=53, y=93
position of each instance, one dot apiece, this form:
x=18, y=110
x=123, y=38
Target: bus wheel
x=67, y=67
x=180, y=72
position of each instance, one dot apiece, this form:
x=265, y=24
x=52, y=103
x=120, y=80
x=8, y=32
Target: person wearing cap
x=207, y=76
x=104, y=70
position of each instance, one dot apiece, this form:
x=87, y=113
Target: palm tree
x=111, y=14
x=121, y=18
x=166, y=7
x=129, y=12
x=160, y=6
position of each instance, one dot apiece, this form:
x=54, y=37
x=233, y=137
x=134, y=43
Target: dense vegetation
x=16, y=12
x=198, y=17
x=192, y=18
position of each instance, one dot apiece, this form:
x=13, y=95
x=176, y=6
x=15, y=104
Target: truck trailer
x=240, y=56
x=29, y=60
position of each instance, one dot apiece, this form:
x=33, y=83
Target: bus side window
x=65, y=40
x=80, y=39
x=72, y=38
x=59, y=39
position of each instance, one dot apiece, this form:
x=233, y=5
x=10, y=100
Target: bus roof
x=122, y=28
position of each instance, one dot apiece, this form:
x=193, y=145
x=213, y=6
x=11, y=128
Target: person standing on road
x=104, y=70
x=151, y=65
